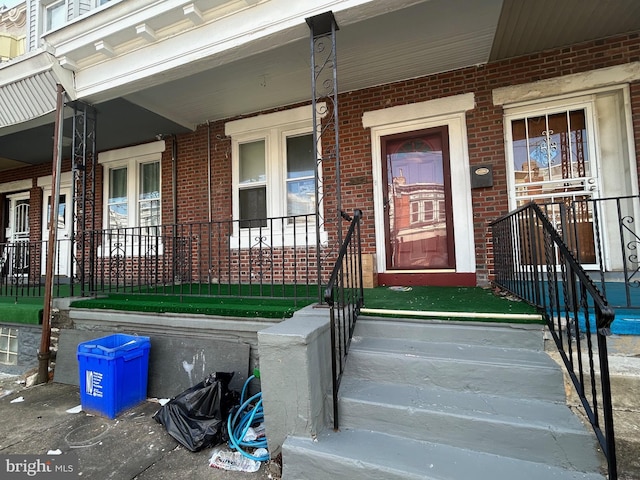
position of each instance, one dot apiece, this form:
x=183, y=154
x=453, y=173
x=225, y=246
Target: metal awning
x=29, y=88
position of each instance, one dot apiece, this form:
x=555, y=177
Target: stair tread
x=454, y=352
x=375, y=455
x=534, y=413
x=486, y=333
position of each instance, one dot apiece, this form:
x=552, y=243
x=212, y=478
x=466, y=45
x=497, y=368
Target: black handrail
x=533, y=262
x=345, y=296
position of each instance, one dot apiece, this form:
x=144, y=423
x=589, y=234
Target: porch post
x=324, y=88
x=45, y=341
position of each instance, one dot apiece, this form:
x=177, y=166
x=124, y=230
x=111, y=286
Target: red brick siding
x=484, y=129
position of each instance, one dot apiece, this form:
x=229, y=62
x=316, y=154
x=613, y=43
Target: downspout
x=209, y=167
x=44, y=353
x=174, y=180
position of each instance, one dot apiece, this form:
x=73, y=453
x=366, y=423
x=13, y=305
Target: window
x=143, y=192
x=8, y=346
x=55, y=15
x=301, y=180
x=132, y=186
x=274, y=168
x=252, y=184
x=551, y=157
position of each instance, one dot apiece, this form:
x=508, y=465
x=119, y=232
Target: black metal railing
x=344, y=295
x=533, y=262
x=604, y=235
x=271, y=257
x=22, y=268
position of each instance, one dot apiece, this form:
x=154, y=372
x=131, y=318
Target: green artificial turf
x=28, y=311
x=465, y=300
x=253, y=307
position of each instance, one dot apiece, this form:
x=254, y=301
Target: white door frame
x=63, y=265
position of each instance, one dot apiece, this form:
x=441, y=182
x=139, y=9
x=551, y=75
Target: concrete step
x=468, y=333
x=512, y=372
x=523, y=428
x=360, y=454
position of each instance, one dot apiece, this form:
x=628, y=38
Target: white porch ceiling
x=430, y=37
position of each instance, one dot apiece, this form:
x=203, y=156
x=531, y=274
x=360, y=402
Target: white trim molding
x=567, y=84
x=449, y=111
x=130, y=152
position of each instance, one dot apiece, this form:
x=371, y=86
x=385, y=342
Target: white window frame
x=47, y=7
x=132, y=158
x=8, y=356
x=273, y=129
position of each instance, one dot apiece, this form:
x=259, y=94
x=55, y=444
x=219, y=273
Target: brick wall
x=484, y=128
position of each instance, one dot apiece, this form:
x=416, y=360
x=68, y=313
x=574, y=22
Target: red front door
x=417, y=200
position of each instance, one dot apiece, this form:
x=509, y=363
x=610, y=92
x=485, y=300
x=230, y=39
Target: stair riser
x=308, y=465
x=514, y=440
x=500, y=379
x=510, y=337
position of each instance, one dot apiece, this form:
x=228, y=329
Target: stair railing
x=533, y=262
x=345, y=296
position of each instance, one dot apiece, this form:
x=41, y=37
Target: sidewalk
x=133, y=446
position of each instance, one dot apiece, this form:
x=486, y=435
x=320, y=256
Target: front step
x=371, y=455
x=471, y=368
x=436, y=401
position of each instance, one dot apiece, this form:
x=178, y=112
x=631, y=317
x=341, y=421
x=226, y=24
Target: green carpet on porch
x=221, y=306
x=464, y=300
x=28, y=310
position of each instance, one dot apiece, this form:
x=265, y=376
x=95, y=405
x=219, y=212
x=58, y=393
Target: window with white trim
x=55, y=15
x=8, y=345
x=132, y=198
x=274, y=168
x=133, y=195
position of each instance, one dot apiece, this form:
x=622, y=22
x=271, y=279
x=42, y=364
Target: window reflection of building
x=418, y=216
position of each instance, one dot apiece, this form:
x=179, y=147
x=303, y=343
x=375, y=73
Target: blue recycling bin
x=113, y=373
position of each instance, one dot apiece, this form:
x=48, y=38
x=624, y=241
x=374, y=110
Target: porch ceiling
x=374, y=46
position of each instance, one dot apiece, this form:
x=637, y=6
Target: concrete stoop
x=448, y=401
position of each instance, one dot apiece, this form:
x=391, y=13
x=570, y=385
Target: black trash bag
x=197, y=417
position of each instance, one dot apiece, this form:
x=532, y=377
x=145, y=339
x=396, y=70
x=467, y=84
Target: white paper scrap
x=17, y=400
x=76, y=409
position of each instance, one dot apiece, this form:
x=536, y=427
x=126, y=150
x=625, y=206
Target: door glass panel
x=552, y=167
x=418, y=232
x=62, y=209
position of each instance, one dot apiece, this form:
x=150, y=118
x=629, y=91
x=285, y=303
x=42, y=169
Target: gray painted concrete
x=416, y=405
x=295, y=364
x=371, y=455
x=175, y=363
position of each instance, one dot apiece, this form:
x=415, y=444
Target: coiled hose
x=246, y=416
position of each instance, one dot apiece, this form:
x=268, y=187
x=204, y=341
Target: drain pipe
x=209, y=167
x=44, y=354
x=174, y=179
